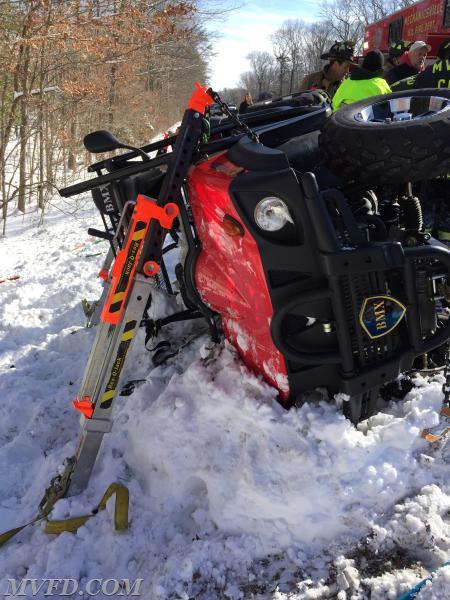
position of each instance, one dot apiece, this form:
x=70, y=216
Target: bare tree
x=262, y=64
x=344, y=20
x=349, y=19
x=248, y=82
x=297, y=46
x=287, y=45
x=281, y=53
x=70, y=66
x=316, y=41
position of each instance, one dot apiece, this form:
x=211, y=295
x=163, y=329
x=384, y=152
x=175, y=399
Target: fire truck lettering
x=424, y=20
x=419, y=15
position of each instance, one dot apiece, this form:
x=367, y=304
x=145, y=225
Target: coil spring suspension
x=411, y=212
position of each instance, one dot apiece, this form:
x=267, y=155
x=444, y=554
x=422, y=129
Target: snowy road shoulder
x=231, y=496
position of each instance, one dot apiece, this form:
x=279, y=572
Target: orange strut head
x=199, y=99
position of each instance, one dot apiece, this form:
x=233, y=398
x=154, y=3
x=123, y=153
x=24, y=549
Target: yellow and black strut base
x=128, y=288
x=121, y=315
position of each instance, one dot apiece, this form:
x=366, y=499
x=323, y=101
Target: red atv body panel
x=229, y=274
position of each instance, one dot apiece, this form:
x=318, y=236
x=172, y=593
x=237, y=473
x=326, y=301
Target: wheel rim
x=407, y=108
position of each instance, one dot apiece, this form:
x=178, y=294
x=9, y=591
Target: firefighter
x=339, y=57
x=396, y=50
x=436, y=75
x=412, y=62
x=366, y=80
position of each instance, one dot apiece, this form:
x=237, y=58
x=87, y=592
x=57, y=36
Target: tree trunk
x=22, y=156
x=112, y=94
x=72, y=159
x=281, y=77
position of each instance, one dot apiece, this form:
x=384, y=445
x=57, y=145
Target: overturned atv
x=305, y=249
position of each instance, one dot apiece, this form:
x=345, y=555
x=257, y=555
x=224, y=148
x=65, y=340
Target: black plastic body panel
x=256, y=157
x=318, y=284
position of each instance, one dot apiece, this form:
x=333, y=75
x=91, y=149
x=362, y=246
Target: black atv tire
x=387, y=153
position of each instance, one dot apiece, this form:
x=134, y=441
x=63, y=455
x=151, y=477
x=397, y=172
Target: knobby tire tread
x=377, y=153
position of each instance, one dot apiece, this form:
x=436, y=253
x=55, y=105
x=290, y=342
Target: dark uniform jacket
x=318, y=81
x=400, y=72
x=436, y=75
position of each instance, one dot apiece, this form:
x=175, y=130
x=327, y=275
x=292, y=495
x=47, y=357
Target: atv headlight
x=272, y=214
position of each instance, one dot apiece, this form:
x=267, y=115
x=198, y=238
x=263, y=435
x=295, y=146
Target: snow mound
x=231, y=495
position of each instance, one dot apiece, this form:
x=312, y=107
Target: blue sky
x=249, y=28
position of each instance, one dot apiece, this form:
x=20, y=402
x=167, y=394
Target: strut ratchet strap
x=120, y=512
x=152, y=327
x=56, y=490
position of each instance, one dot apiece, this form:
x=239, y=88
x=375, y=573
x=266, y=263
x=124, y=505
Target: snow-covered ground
x=230, y=495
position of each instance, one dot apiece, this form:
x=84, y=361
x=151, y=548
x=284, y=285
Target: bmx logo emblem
x=380, y=315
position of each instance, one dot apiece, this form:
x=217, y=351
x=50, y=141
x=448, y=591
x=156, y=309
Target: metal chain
x=223, y=105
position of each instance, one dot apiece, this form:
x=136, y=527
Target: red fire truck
x=427, y=20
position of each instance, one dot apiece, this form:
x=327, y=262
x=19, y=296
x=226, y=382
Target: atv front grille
x=355, y=290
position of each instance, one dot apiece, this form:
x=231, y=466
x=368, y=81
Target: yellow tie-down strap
x=120, y=512
x=71, y=525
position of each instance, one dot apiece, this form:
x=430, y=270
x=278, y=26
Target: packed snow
x=231, y=496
